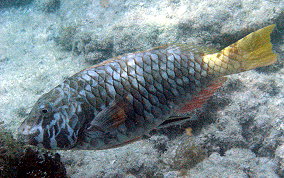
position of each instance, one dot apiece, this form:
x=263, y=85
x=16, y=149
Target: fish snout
x=24, y=129
x=28, y=134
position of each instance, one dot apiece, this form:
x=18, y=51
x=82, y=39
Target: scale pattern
x=154, y=83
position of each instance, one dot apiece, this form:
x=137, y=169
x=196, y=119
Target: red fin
x=111, y=117
x=118, y=114
x=198, y=100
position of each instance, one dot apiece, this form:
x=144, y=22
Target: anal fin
x=171, y=121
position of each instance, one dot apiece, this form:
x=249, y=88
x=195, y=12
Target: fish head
x=52, y=123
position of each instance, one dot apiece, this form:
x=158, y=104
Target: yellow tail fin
x=252, y=51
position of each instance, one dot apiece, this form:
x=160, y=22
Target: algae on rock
x=18, y=160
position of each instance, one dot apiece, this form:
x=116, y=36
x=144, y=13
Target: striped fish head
x=52, y=123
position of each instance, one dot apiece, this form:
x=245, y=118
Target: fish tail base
x=252, y=51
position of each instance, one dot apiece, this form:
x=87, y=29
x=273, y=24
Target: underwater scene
x=165, y=88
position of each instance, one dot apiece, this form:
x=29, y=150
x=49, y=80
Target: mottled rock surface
x=14, y=3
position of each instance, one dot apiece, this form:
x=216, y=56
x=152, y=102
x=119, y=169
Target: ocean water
x=239, y=132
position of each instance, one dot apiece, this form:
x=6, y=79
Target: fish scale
x=156, y=89
x=121, y=99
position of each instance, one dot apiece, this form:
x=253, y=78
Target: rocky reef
x=17, y=160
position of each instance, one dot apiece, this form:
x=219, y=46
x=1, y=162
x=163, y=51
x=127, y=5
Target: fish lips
x=28, y=135
x=27, y=139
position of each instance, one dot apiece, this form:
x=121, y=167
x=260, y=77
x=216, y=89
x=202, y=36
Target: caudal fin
x=252, y=51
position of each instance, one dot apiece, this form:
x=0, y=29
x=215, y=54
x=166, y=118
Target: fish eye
x=45, y=108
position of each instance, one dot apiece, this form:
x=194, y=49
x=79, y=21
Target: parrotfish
x=121, y=99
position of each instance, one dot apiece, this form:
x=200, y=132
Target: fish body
x=123, y=98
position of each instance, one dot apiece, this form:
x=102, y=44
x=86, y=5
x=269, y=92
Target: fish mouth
x=32, y=140
x=34, y=135
x=27, y=139
x=28, y=135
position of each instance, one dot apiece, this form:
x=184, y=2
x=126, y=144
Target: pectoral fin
x=111, y=117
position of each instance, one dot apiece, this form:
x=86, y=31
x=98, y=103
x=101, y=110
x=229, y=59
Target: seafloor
x=239, y=132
